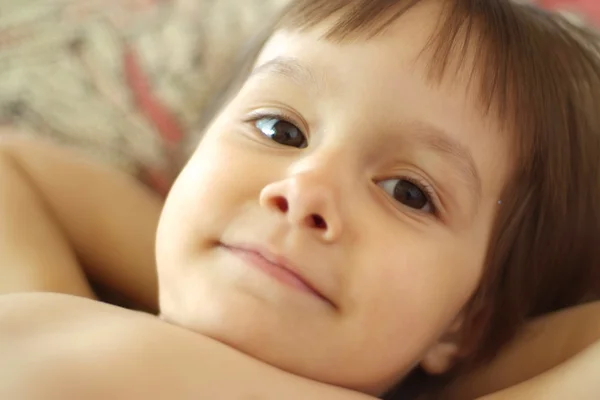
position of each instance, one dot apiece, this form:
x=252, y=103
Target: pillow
x=124, y=80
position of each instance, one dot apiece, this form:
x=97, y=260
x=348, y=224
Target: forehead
x=484, y=47
x=406, y=43
x=418, y=24
x=386, y=63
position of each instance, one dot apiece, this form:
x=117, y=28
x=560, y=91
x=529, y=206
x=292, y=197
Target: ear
x=442, y=356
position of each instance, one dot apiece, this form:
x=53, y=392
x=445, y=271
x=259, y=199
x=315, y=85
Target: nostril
x=318, y=222
x=281, y=203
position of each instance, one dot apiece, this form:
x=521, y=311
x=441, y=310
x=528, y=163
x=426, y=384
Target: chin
x=223, y=315
x=261, y=335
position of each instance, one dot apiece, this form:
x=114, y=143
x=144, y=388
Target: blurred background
x=129, y=81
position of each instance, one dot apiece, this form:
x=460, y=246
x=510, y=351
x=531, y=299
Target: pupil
x=288, y=134
x=409, y=194
x=283, y=132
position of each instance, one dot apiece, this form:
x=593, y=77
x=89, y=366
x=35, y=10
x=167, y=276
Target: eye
x=282, y=132
x=411, y=194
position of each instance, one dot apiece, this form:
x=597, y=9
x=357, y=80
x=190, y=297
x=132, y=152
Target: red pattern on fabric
x=156, y=112
x=589, y=8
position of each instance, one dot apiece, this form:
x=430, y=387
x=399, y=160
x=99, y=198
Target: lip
x=276, y=266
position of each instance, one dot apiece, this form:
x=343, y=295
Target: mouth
x=276, y=267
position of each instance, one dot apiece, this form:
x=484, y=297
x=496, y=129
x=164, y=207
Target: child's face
x=378, y=189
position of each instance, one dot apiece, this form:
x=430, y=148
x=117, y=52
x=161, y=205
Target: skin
x=104, y=234
x=39, y=333
x=55, y=347
x=392, y=277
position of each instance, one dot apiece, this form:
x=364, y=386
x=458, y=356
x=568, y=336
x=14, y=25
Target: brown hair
x=540, y=76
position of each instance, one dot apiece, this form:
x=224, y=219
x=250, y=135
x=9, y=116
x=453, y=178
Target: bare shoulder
x=86, y=329
x=79, y=348
x=42, y=325
x=86, y=349
x=52, y=304
x=26, y=314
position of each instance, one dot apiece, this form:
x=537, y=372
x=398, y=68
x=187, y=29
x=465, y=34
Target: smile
x=275, y=267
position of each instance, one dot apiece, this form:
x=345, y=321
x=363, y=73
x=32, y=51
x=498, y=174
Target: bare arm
x=55, y=346
x=60, y=212
x=542, y=356
x=577, y=378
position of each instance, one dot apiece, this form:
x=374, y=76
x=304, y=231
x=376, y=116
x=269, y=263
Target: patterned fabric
x=584, y=10
x=128, y=80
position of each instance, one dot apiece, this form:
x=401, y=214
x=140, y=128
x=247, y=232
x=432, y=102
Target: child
x=397, y=186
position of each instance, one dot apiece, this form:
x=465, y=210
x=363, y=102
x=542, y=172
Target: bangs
x=525, y=65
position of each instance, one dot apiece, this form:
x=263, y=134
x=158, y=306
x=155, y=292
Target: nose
x=307, y=201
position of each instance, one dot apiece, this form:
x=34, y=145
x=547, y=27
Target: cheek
x=404, y=291
x=203, y=190
x=223, y=177
x=415, y=281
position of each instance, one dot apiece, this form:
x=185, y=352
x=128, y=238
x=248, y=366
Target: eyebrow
x=442, y=143
x=290, y=68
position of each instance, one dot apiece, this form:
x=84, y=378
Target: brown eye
x=408, y=193
x=282, y=132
